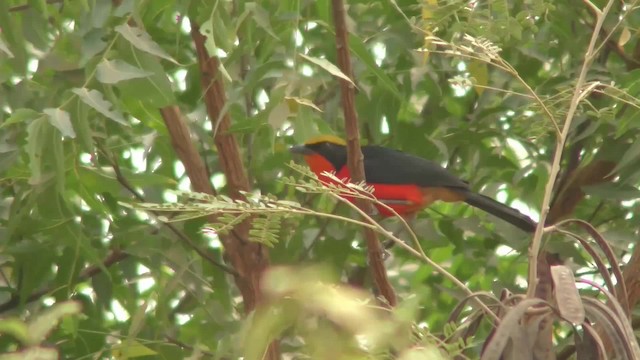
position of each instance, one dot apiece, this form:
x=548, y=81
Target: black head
x=331, y=148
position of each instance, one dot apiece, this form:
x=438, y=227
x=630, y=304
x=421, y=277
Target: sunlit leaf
x=261, y=17
x=111, y=72
x=612, y=191
x=631, y=155
x=293, y=101
x=131, y=350
x=37, y=136
x=20, y=116
x=61, y=121
x=359, y=49
x=329, y=67
x=96, y=100
x=278, y=115
x=141, y=40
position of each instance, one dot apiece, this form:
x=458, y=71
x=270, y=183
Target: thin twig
x=114, y=257
x=183, y=237
x=323, y=228
x=344, y=191
x=536, y=242
x=243, y=71
x=340, y=191
x=501, y=64
x=182, y=345
x=421, y=255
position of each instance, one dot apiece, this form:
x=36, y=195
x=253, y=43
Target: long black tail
x=502, y=211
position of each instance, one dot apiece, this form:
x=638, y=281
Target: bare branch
x=536, y=242
x=355, y=157
x=250, y=259
x=182, y=236
x=113, y=258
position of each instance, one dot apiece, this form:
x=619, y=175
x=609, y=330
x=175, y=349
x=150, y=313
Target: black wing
x=387, y=166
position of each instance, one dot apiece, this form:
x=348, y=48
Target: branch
x=113, y=258
x=182, y=236
x=181, y=142
x=249, y=105
x=578, y=95
x=355, y=157
x=572, y=164
x=250, y=259
x=172, y=340
x=631, y=62
x=568, y=192
x=247, y=281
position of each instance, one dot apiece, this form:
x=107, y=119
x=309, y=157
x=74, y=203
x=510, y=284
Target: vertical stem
x=355, y=159
x=249, y=259
x=534, y=249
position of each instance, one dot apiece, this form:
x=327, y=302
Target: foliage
x=31, y=335
x=481, y=87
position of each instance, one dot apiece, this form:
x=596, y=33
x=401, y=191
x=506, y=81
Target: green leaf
x=103, y=288
x=56, y=151
x=631, y=155
x=131, y=349
x=357, y=46
x=612, y=191
x=247, y=126
x=329, y=67
x=80, y=121
x=96, y=180
x=91, y=44
x=14, y=327
x=96, y=100
x=157, y=88
x=148, y=179
x=293, y=101
x=36, y=140
x=111, y=72
x=61, y=121
x=141, y=40
x=138, y=319
x=479, y=71
x=278, y=115
x=218, y=30
x=20, y=116
x=261, y=17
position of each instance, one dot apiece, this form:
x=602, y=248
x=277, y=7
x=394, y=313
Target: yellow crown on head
x=325, y=138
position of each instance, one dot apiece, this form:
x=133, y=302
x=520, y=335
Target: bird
x=405, y=183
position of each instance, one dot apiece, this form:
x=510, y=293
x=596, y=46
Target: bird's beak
x=300, y=149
